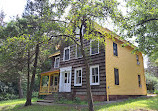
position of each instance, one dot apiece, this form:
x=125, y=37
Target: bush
x=35, y=94
x=151, y=82
x=7, y=96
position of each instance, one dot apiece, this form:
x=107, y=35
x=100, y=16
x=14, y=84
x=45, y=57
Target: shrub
x=34, y=94
x=151, y=82
x=7, y=96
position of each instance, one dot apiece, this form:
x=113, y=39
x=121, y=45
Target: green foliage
x=7, y=96
x=141, y=21
x=35, y=94
x=152, y=82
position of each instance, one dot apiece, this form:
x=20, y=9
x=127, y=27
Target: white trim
x=75, y=84
x=55, y=61
x=91, y=47
x=76, y=53
x=95, y=66
x=64, y=53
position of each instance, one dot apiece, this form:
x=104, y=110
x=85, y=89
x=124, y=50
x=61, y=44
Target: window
x=94, y=47
x=78, y=77
x=78, y=31
x=116, y=73
x=94, y=75
x=78, y=52
x=137, y=58
x=57, y=62
x=66, y=53
x=115, y=49
x=139, y=81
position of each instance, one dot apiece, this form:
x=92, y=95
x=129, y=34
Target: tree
x=141, y=21
x=2, y=16
x=82, y=16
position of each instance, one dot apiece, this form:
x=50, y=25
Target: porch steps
x=50, y=98
x=46, y=101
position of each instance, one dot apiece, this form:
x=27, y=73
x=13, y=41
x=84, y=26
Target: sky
x=12, y=8
x=16, y=7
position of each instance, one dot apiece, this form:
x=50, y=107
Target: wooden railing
x=46, y=89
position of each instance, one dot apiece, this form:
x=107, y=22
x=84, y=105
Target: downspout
x=107, y=87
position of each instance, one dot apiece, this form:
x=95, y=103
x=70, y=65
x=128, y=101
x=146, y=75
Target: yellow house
x=115, y=72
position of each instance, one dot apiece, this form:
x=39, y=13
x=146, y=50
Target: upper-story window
x=78, y=77
x=94, y=47
x=66, y=53
x=115, y=49
x=78, y=52
x=94, y=75
x=83, y=31
x=57, y=62
x=137, y=58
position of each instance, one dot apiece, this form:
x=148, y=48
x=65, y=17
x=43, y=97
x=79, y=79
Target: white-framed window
x=66, y=55
x=94, y=47
x=94, y=75
x=57, y=62
x=78, y=52
x=78, y=77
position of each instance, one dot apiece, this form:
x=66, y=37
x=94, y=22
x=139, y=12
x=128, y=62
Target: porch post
x=49, y=84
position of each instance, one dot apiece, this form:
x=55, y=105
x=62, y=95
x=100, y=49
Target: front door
x=65, y=81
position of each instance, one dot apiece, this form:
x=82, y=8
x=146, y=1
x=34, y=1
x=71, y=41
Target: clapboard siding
x=98, y=59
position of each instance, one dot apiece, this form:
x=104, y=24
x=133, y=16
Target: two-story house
x=114, y=71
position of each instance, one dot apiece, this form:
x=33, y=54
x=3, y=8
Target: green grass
x=12, y=103
x=16, y=101
x=129, y=105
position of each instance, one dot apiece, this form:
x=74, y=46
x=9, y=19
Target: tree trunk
x=88, y=87
x=20, y=88
x=29, y=95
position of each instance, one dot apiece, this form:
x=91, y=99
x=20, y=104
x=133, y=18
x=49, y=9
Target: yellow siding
x=128, y=70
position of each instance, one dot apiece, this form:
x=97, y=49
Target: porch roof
x=55, y=54
x=50, y=72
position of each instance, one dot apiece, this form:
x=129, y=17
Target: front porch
x=49, y=82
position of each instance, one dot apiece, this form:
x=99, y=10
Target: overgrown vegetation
x=152, y=83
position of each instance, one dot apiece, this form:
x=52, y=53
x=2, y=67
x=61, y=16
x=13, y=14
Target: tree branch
x=144, y=21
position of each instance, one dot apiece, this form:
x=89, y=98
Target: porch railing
x=46, y=89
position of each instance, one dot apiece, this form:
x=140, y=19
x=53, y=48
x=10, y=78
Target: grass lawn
x=139, y=104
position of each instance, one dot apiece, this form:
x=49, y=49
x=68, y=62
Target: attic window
x=94, y=47
x=115, y=49
x=137, y=58
x=78, y=52
x=66, y=53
